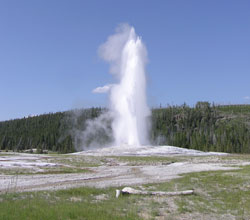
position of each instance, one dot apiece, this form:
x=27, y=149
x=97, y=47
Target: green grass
x=143, y=160
x=76, y=160
x=217, y=192
x=50, y=170
x=64, y=205
x=236, y=157
x=4, y=154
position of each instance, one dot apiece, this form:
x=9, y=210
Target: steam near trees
x=203, y=127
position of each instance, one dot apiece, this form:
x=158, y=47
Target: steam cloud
x=126, y=122
x=127, y=57
x=102, y=89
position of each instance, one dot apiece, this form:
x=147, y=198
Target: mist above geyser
x=127, y=56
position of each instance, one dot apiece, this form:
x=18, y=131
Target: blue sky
x=199, y=50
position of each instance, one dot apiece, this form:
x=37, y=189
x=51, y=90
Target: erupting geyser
x=127, y=56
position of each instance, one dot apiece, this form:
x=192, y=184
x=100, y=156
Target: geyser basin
x=128, y=108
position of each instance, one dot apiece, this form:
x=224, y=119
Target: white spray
x=128, y=104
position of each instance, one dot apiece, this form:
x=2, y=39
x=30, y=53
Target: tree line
x=203, y=127
x=44, y=132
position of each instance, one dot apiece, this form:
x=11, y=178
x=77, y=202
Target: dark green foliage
x=71, y=204
x=204, y=127
x=45, y=132
x=41, y=132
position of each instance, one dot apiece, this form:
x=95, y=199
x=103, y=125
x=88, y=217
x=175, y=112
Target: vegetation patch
x=217, y=194
x=68, y=204
x=53, y=170
x=78, y=161
x=147, y=160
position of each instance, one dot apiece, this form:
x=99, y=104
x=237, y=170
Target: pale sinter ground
x=152, y=167
x=105, y=167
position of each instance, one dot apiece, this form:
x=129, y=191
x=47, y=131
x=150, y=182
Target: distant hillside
x=204, y=127
x=45, y=132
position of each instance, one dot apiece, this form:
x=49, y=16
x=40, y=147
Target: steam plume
x=127, y=56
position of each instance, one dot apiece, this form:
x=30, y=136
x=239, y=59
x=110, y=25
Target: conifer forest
x=206, y=127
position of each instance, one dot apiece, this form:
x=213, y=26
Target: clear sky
x=199, y=50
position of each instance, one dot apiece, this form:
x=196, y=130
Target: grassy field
x=218, y=195
x=146, y=160
x=80, y=203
